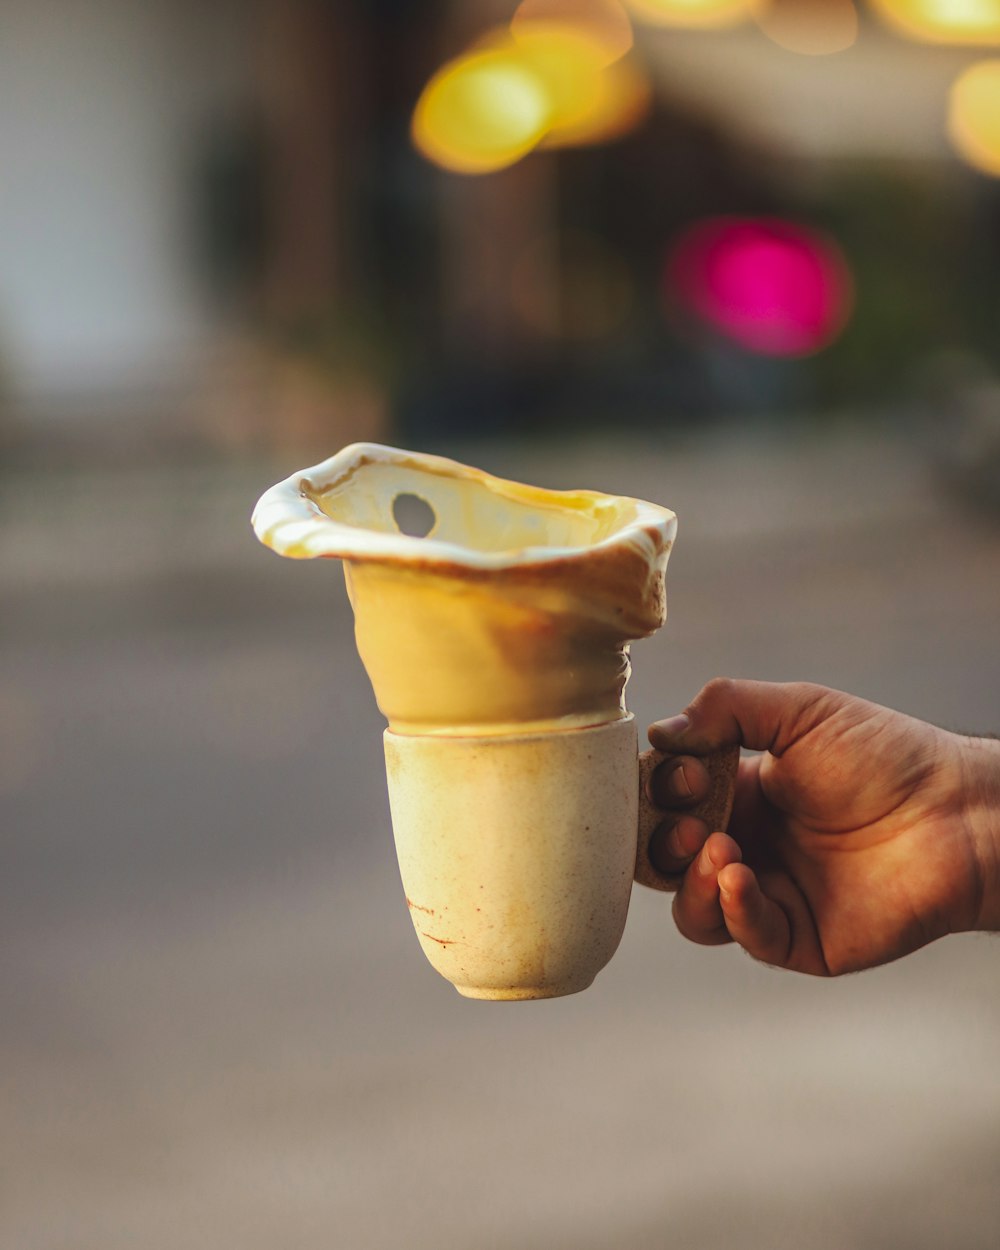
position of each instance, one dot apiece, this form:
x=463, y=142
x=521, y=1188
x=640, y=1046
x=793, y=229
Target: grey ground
x=217, y=1029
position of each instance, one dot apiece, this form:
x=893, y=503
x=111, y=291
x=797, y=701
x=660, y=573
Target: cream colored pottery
x=511, y=614
x=517, y=853
x=497, y=647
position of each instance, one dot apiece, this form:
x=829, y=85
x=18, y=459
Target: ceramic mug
x=496, y=641
x=517, y=853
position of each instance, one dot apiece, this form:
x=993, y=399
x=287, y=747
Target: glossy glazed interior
x=512, y=614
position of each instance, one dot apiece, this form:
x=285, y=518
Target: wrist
x=982, y=812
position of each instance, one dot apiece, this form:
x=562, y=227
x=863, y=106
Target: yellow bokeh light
x=694, y=14
x=604, y=22
x=482, y=112
x=943, y=21
x=974, y=116
x=623, y=100
x=569, y=63
x=539, y=81
x=809, y=27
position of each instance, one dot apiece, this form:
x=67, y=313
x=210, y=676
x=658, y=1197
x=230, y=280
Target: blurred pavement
x=217, y=1027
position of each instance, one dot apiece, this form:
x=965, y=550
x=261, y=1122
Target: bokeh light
x=809, y=27
x=974, y=116
x=539, y=81
x=604, y=22
x=694, y=14
x=622, y=100
x=482, y=112
x=774, y=287
x=567, y=61
x=943, y=21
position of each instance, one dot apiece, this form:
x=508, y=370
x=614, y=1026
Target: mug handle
x=714, y=810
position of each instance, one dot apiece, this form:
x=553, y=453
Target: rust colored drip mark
x=416, y=907
x=443, y=941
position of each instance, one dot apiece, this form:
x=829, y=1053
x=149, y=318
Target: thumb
x=758, y=715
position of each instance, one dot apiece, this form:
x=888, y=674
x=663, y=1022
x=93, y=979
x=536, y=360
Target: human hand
x=858, y=836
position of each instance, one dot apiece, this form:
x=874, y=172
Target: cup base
x=522, y=993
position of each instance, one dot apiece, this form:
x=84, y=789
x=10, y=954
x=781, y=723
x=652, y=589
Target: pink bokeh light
x=776, y=288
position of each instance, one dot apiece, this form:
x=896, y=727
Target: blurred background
x=741, y=257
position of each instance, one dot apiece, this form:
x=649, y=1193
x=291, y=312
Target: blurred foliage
x=919, y=265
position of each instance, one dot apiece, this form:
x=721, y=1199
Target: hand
x=858, y=836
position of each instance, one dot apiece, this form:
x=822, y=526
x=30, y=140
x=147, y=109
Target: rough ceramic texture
x=516, y=854
x=513, y=613
x=715, y=809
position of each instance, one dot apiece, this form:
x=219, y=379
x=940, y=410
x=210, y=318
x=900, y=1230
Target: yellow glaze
x=511, y=615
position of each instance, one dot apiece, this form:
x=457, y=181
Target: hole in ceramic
x=464, y=508
x=413, y=516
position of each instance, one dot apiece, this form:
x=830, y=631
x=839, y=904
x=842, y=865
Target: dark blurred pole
x=489, y=223
x=310, y=102
x=482, y=367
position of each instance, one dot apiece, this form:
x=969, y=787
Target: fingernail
x=678, y=784
x=675, y=846
x=686, y=840
x=674, y=726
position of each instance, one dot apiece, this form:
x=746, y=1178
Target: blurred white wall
x=97, y=101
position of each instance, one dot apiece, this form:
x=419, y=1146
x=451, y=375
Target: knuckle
x=810, y=704
x=807, y=693
x=719, y=689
